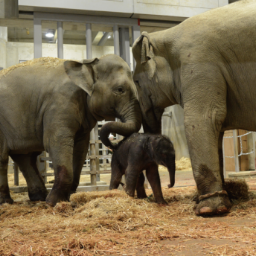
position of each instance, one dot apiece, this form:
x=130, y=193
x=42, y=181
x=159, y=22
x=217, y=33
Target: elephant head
x=111, y=93
x=153, y=78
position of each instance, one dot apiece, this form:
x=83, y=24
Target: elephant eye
x=137, y=83
x=119, y=90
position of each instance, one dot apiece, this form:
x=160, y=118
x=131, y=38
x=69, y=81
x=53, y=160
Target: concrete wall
x=3, y=42
x=16, y=52
x=173, y=127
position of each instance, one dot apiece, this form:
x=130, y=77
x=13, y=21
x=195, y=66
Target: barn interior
x=89, y=29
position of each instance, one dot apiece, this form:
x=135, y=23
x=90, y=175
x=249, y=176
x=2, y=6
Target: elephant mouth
x=98, y=117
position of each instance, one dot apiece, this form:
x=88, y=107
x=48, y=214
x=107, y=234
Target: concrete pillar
x=125, y=44
x=135, y=35
x=3, y=42
x=60, y=39
x=37, y=38
x=116, y=40
x=88, y=41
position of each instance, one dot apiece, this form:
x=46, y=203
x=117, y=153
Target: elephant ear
x=144, y=53
x=82, y=74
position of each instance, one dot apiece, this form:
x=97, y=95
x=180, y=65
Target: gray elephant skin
x=51, y=104
x=207, y=64
x=142, y=152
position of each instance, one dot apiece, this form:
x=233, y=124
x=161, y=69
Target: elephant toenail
x=222, y=209
x=205, y=210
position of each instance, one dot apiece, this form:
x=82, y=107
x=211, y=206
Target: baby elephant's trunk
x=165, y=155
x=171, y=169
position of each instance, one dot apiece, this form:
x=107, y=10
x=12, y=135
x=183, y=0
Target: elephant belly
x=241, y=118
x=21, y=135
x=24, y=146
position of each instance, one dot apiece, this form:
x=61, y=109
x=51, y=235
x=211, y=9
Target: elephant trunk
x=131, y=122
x=171, y=170
x=152, y=121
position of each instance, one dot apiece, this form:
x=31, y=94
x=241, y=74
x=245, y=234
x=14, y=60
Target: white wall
x=173, y=9
x=150, y=9
x=124, y=7
x=16, y=51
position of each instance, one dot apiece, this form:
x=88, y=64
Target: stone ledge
x=242, y=175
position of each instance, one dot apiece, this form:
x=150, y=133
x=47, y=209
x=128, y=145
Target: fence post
x=250, y=148
x=236, y=151
x=93, y=157
x=16, y=174
x=97, y=150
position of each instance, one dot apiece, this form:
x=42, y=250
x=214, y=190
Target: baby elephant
x=142, y=152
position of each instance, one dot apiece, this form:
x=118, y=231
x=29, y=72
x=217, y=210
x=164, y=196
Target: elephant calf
x=142, y=152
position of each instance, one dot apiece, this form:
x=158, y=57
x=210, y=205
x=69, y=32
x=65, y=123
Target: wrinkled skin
x=207, y=64
x=142, y=152
x=53, y=106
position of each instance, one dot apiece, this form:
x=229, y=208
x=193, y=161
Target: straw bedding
x=111, y=223
x=181, y=165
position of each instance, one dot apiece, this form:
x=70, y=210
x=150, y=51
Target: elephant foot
x=141, y=193
x=55, y=196
x=5, y=195
x=37, y=194
x=6, y=199
x=129, y=192
x=142, y=196
x=162, y=201
x=215, y=204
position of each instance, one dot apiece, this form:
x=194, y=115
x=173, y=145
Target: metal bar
x=104, y=154
x=88, y=41
x=89, y=157
x=60, y=39
x=99, y=157
x=16, y=174
x=93, y=161
x=99, y=141
x=135, y=35
x=82, y=173
x=104, y=38
x=224, y=161
x=235, y=151
x=116, y=40
x=37, y=38
x=85, y=19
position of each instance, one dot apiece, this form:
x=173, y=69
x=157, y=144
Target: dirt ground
x=111, y=223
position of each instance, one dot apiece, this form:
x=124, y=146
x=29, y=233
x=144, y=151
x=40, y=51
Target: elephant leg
x=132, y=174
x=61, y=147
x=4, y=188
x=116, y=173
x=80, y=152
x=27, y=164
x=203, y=135
x=141, y=193
x=155, y=183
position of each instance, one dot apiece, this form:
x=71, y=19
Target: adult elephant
x=207, y=64
x=51, y=104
